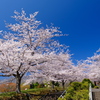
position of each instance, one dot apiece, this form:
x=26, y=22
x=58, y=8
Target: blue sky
x=78, y=18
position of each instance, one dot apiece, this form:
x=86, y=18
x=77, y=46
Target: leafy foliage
x=57, y=84
x=78, y=91
x=96, y=87
x=88, y=81
x=76, y=85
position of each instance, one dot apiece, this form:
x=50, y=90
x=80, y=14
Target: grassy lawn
x=35, y=91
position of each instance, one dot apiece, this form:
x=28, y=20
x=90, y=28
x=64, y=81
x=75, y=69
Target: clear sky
x=78, y=18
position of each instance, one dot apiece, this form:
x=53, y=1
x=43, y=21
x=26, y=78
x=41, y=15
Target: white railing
x=62, y=95
x=90, y=92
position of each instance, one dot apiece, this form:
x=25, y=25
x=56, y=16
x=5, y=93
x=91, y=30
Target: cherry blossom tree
x=93, y=66
x=58, y=68
x=81, y=71
x=15, y=60
x=90, y=67
x=26, y=47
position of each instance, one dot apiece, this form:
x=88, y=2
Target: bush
x=76, y=85
x=96, y=87
x=87, y=80
x=81, y=95
x=68, y=96
x=85, y=85
x=70, y=90
x=36, y=84
x=77, y=91
x=57, y=84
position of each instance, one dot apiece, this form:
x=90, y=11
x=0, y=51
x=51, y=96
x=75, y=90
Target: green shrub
x=87, y=80
x=81, y=95
x=35, y=85
x=96, y=87
x=68, y=96
x=76, y=85
x=85, y=85
x=77, y=91
x=70, y=90
x=57, y=84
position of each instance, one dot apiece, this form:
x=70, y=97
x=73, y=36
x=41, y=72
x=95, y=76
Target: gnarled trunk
x=18, y=83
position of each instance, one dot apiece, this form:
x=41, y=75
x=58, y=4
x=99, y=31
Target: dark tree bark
x=18, y=78
x=53, y=83
x=18, y=84
x=95, y=83
x=63, y=84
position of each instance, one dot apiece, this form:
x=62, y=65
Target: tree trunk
x=95, y=83
x=63, y=84
x=52, y=84
x=18, y=83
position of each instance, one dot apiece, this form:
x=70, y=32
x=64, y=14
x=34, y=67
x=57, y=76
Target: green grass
x=34, y=90
x=37, y=91
x=7, y=94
